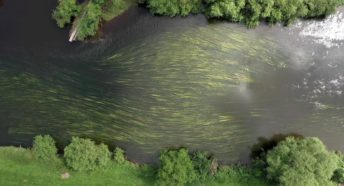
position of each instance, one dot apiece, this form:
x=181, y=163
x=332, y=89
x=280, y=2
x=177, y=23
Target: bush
x=44, y=148
x=204, y=165
x=119, y=156
x=176, y=168
x=84, y=155
x=304, y=162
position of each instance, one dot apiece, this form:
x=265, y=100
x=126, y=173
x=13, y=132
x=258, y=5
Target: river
x=151, y=82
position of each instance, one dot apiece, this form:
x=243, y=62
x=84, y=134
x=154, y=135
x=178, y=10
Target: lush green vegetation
x=65, y=11
x=174, y=7
x=44, y=148
x=292, y=161
x=301, y=162
x=88, y=15
x=85, y=155
x=249, y=12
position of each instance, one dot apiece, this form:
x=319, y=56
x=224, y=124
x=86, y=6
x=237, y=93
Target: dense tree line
x=249, y=12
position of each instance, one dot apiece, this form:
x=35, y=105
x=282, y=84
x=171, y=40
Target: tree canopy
x=65, y=11
x=304, y=162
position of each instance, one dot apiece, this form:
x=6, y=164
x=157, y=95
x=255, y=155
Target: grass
x=113, y=10
x=18, y=167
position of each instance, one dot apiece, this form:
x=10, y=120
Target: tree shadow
x=260, y=149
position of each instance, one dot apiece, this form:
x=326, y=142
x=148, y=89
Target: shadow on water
x=260, y=149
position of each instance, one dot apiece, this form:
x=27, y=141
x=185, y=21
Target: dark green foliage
x=44, y=148
x=65, y=11
x=174, y=7
x=303, y=162
x=89, y=21
x=85, y=155
x=227, y=9
x=204, y=165
x=119, y=156
x=338, y=175
x=176, y=168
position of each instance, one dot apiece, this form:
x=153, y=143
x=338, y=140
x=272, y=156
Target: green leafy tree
x=89, y=21
x=176, y=168
x=84, y=155
x=304, y=162
x=44, y=148
x=65, y=11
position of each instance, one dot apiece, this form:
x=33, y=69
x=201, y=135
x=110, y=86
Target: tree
x=176, y=168
x=65, y=11
x=90, y=21
x=304, y=162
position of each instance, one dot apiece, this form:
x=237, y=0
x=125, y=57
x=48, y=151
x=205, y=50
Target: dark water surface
x=156, y=82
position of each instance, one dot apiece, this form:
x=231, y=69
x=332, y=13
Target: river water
x=150, y=83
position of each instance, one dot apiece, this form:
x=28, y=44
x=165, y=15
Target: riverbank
x=88, y=15
x=86, y=163
x=19, y=167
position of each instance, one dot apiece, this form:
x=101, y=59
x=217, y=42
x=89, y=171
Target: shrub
x=176, y=168
x=204, y=165
x=84, y=155
x=304, y=162
x=119, y=156
x=44, y=148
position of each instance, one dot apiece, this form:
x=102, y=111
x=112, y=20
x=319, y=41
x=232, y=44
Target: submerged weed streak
x=166, y=85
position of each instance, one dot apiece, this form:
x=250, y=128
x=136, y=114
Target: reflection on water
x=159, y=82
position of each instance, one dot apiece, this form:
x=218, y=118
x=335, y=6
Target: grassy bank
x=286, y=161
x=19, y=167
